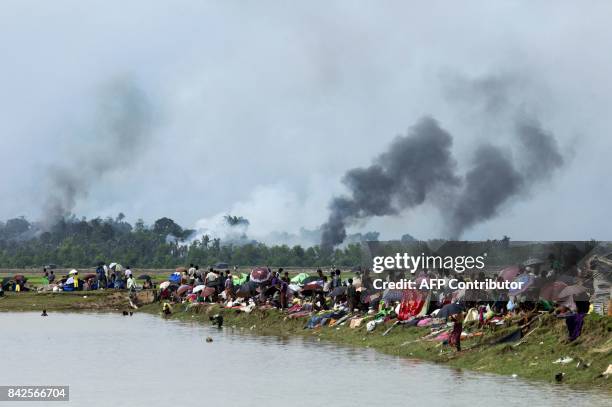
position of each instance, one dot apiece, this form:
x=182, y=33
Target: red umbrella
x=18, y=277
x=207, y=291
x=181, y=269
x=88, y=276
x=509, y=273
x=316, y=286
x=260, y=274
x=183, y=289
x=550, y=292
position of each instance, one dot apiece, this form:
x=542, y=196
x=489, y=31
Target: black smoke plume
x=497, y=176
x=401, y=178
x=420, y=163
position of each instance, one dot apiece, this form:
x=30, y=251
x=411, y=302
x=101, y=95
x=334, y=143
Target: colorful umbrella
x=509, y=273
x=571, y=291
x=174, y=278
x=260, y=274
x=183, y=289
x=116, y=266
x=311, y=279
x=198, y=288
x=299, y=279
x=207, y=291
x=525, y=281
x=316, y=286
x=550, y=292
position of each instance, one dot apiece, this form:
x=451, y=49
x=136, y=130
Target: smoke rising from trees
x=421, y=162
x=121, y=128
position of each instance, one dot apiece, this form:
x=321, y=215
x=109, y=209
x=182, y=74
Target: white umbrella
x=70, y=280
x=73, y=272
x=164, y=285
x=198, y=288
x=116, y=266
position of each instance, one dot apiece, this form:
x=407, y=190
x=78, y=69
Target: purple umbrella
x=571, y=290
x=526, y=280
x=509, y=273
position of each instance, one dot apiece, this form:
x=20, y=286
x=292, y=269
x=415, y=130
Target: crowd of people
x=351, y=297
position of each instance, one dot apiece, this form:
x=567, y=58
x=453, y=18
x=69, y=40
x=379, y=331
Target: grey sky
x=262, y=106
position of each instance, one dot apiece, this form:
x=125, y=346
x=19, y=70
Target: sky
x=258, y=108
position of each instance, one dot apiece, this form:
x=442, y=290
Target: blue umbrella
x=393, y=295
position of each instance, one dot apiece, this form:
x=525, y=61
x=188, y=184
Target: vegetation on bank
x=531, y=358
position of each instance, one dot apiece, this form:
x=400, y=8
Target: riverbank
x=532, y=358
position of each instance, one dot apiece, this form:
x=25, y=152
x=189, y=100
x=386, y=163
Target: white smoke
x=276, y=215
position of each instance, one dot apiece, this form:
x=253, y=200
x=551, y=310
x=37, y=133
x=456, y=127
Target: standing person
x=284, y=290
x=131, y=283
x=455, y=336
x=286, y=278
x=128, y=272
x=51, y=277
x=229, y=286
x=191, y=271
x=101, y=276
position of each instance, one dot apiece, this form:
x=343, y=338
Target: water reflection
x=113, y=360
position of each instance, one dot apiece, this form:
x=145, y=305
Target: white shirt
x=131, y=284
x=128, y=272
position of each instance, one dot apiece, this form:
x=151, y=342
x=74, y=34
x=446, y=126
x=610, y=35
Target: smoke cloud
x=401, y=178
x=121, y=128
x=422, y=162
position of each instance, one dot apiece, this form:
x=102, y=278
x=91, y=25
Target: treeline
x=164, y=244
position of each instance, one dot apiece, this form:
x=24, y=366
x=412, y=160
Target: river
x=144, y=360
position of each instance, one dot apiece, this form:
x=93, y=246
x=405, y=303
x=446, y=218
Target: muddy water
x=144, y=360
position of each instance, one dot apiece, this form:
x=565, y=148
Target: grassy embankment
x=529, y=359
